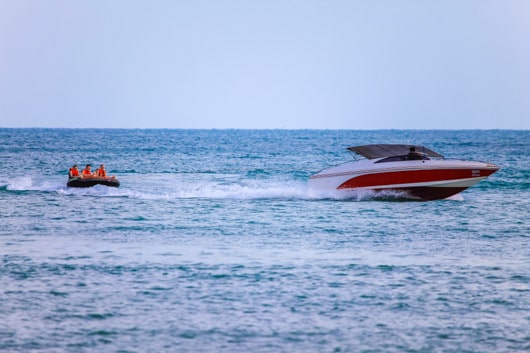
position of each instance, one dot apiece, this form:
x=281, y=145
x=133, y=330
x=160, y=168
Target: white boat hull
x=421, y=179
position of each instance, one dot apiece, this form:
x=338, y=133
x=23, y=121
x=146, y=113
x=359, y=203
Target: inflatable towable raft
x=89, y=182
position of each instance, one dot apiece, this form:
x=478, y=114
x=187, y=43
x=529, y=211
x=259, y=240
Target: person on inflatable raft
x=73, y=172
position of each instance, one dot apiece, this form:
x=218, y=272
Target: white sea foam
x=20, y=184
x=32, y=183
x=222, y=190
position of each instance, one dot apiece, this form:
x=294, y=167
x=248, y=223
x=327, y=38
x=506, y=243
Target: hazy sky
x=292, y=64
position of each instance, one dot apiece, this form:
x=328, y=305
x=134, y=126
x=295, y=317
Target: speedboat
x=414, y=171
x=78, y=182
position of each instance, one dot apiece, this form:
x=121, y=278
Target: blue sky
x=265, y=64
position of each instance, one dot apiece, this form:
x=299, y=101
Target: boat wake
x=153, y=187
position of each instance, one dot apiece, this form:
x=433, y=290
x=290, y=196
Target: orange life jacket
x=87, y=172
x=101, y=172
x=74, y=172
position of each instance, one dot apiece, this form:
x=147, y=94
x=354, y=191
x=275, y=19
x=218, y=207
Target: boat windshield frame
x=406, y=157
x=377, y=151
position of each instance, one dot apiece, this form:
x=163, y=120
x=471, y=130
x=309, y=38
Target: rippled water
x=213, y=243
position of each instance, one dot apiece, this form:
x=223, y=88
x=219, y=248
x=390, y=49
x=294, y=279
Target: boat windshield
x=389, y=150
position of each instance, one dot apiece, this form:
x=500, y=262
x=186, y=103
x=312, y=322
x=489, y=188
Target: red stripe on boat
x=413, y=176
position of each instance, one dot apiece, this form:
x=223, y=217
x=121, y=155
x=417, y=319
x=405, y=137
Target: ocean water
x=213, y=243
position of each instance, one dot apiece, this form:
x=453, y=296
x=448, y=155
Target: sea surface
x=214, y=243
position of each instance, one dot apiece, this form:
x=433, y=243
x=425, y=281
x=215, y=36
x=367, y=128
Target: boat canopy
x=386, y=150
